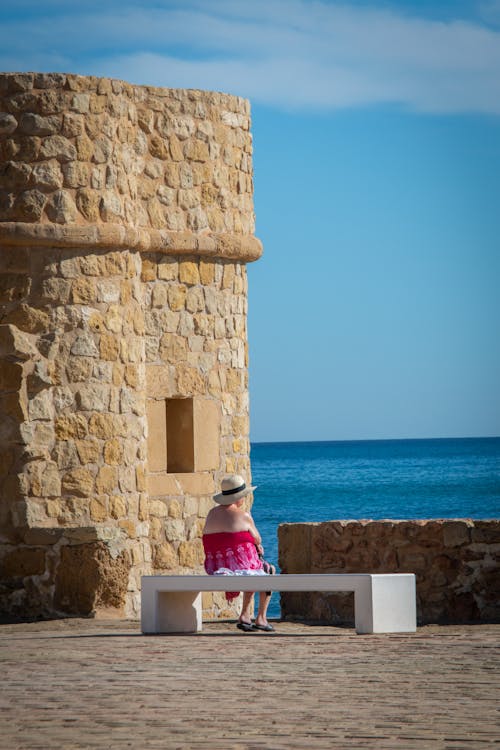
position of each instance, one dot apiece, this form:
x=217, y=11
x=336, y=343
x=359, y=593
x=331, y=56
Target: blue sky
x=375, y=310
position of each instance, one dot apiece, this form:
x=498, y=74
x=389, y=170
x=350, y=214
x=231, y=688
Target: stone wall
x=456, y=562
x=126, y=222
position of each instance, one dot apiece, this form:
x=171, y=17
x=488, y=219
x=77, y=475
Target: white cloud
x=289, y=53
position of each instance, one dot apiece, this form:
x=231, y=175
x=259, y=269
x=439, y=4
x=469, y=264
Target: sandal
x=265, y=628
x=247, y=627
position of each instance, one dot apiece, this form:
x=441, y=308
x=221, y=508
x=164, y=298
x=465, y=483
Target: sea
x=372, y=479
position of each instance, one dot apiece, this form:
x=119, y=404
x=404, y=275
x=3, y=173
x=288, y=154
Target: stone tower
x=126, y=222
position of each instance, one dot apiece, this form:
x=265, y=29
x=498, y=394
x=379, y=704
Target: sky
x=374, y=312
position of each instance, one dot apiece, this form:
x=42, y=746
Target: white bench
x=383, y=603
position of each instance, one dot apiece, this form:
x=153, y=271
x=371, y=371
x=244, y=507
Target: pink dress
x=231, y=553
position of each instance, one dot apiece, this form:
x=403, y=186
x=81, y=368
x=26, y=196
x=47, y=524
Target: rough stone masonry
x=126, y=222
x=456, y=563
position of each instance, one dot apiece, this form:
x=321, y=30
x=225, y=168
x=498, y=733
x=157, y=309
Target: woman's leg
x=264, y=599
x=246, y=609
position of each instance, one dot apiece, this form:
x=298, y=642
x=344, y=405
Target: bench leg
x=386, y=604
x=178, y=612
x=148, y=608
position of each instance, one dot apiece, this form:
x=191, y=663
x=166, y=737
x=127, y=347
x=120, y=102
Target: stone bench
x=383, y=603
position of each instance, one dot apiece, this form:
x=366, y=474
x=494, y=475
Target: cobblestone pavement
x=74, y=684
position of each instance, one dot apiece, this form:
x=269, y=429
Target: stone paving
x=74, y=684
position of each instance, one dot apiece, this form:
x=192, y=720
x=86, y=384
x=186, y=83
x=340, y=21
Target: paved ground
x=75, y=684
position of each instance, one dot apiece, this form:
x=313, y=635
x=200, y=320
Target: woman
x=233, y=546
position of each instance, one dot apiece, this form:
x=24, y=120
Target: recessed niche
x=180, y=435
x=183, y=435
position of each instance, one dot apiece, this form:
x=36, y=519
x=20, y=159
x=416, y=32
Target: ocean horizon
x=414, y=478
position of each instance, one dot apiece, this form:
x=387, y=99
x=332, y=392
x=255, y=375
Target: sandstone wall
x=126, y=221
x=456, y=562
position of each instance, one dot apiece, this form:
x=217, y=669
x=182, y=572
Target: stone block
x=21, y=562
x=106, y=481
x=189, y=273
x=104, y=426
x=117, y=506
x=158, y=381
x=76, y=174
x=191, y=554
x=8, y=124
x=127, y=479
x=98, y=509
x=89, y=577
x=168, y=269
x=41, y=406
x=70, y=426
x=189, y=381
x=87, y=203
x=83, y=534
x=206, y=416
x=165, y=557
x=486, y=532
x=196, y=484
x=295, y=542
x=159, y=508
x=42, y=536
x=79, y=482
x=93, y=397
x=109, y=347
x=79, y=369
x=162, y=485
x=129, y=528
x=113, y=452
x=58, y=147
x=177, y=297
x=456, y=533
x=174, y=530
x=84, y=346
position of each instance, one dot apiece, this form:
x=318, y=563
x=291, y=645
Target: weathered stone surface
x=24, y=561
x=85, y=346
x=33, y=124
x=34, y=537
x=58, y=147
x=15, y=343
x=99, y=509
x=71, y=426
x=8, y=123
x=41, y=406
x=104, y=425
x=79, y=482
x=89, y=577
x=61, y=207
x=28, y=319
x=165, y=557
x=28, y=206
x=191, y=554
x=107, y=480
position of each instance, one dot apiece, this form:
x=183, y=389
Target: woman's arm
x=252, y=528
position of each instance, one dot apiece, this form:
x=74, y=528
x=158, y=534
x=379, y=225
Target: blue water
x=324, y=481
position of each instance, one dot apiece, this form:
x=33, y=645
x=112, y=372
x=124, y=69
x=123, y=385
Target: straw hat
x=233, y=489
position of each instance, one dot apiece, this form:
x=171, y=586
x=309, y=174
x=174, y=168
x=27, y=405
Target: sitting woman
x=233, y=546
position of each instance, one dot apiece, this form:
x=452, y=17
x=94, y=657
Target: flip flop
x=247, y=627
x=265, y=628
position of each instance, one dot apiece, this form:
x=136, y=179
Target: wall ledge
x=245, y=248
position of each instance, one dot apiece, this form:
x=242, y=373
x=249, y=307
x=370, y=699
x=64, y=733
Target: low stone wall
x=456, y=562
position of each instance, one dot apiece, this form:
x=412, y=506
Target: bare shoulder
x=211, y=513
